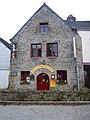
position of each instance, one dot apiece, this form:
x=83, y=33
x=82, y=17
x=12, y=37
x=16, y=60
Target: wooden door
x=42, y=82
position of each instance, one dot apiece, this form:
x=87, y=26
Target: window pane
x=39, y=52
x=52, y=49
x=34, y=53
x=49, y=50
x=46, y=29
x=33, y=46
x=46, y=25
x=55, y=49
x=36, y=50
x=55, y=45
x=43, y=27
x=55, y=52
x=38, y=46
x=41, y=30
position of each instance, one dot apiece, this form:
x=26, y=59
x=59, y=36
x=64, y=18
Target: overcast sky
x=15, y=13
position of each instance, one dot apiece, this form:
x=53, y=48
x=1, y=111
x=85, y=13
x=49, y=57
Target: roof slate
x=6, y=44
x=79, y=25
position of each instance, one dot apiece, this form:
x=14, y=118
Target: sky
x=15, y=13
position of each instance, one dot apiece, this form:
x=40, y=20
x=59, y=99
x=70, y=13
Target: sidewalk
x=45, y=112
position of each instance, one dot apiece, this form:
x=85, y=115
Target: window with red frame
x=25, y=77
x=43, y=27
x=62, y=76
x=36, y=50
x=52, y=49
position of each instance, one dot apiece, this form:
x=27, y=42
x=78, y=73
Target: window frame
x=36, y=50
x=44, y=27
x=48, y=46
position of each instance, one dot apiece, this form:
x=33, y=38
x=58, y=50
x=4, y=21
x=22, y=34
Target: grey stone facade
x=60, y=33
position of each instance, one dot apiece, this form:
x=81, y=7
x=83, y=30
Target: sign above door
x=42, y=67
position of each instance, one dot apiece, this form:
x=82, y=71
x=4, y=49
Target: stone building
x=47, y=54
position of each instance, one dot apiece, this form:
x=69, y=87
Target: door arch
x=42, y=81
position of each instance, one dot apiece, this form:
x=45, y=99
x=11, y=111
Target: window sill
x=62, y=83
x=52, y=57
x=24, y=82
x=35, y=58
x=43, y=33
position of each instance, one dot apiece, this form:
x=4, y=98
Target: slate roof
x=9, y=46
x=79, y=25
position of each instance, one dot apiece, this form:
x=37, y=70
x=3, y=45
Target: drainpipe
x=75, y=59
x=77, y=72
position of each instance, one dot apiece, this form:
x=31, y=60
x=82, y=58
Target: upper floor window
x=52, y=49
x=43, y=27
x=36, y=50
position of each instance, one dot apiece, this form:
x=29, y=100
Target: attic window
x=43, y=27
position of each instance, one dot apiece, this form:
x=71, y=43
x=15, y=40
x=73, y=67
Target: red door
x=42, y=82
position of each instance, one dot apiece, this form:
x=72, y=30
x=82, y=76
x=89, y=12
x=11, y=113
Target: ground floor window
x=25, y=77
x=62, y=77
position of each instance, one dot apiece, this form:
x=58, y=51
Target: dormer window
x=43, y=27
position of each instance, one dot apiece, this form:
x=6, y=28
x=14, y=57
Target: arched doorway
x=43, y=82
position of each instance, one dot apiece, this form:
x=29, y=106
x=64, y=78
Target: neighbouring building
x=85, y=34
x=83, y=28
x=47, y=54
x=5, y=54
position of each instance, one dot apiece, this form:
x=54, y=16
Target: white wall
x=4, y=57
x=85, y=35
x=4, y=79
x=4, y=66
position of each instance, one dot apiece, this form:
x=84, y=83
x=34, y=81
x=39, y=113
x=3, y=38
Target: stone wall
x=27, y=95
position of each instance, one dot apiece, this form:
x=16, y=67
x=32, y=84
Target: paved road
x=36, y=112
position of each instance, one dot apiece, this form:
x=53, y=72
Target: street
x=44, y=112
